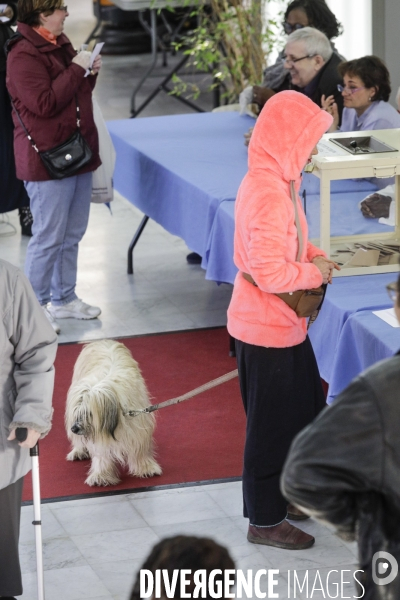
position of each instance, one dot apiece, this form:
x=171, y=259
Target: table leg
x=153, y=30
x=133, y=243
x=325, y=214
x=98, y=23
x=163, y=87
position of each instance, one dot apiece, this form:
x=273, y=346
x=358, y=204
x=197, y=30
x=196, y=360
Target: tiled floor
x=93, y=547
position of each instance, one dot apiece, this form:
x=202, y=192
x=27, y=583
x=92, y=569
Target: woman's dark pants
x=282, y=393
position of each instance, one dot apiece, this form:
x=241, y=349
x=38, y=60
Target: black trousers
x=282, y=393
x=10, y=513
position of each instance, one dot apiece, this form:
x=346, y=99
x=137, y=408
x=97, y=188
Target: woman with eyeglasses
x=51, y=89
x=366, y=91
x=299, y=14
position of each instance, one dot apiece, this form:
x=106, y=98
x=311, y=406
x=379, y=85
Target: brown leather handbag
x=305, y=303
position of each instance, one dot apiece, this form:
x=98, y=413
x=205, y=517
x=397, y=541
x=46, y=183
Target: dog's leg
x=79, y=450
x=142, y=463
x=103, y=471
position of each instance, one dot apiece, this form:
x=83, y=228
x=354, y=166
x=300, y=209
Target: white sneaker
x=77, y=309
x=51, y=319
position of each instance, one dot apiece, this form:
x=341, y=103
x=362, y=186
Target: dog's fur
x=107, y=383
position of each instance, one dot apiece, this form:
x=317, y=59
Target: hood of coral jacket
x=287, y=130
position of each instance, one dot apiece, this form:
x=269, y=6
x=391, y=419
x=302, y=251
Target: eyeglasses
x=290, y=61
x=64, y=8
x=349, y=90
x=393, y=290
x=288, y=28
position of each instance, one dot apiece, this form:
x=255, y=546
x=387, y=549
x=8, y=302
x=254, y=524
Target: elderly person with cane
x=56, y=150
x=28, y=347
x=279, y=379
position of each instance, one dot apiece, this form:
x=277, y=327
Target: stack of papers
x=367, y=254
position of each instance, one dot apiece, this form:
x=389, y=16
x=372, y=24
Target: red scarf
x=46, y=34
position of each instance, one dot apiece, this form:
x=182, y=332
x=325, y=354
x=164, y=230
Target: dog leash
x=195, y=392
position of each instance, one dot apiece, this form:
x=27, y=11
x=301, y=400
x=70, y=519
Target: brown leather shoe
x=283, y=535
x=295, y=514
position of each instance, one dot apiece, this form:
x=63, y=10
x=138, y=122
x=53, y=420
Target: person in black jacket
x=312, y=66
x=344, y=468
x=12, y=191
x=298, y=14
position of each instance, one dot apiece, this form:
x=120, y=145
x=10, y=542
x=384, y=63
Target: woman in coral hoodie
x=279, y=378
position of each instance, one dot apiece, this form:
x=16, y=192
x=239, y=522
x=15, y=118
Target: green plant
x=231, y=42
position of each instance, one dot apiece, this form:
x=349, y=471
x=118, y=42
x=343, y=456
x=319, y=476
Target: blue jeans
x=60, y=210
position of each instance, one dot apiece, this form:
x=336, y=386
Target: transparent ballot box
x=373, y=155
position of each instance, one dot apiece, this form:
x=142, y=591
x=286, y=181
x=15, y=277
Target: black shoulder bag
x=66, y=159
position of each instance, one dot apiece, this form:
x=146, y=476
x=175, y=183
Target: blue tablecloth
x=364, y=340
x=178, y=169
x=346, y=296
x=218, y=258
x=346, y=219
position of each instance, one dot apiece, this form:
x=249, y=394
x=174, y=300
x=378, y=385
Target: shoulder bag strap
x=78, y=122
x=297, y=221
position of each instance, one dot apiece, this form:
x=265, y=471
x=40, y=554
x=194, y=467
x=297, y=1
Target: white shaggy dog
x=106, y=384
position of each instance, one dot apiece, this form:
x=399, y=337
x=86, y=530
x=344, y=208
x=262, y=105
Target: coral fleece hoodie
x=266, y=240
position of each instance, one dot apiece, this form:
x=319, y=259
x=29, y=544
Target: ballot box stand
x=344, y=165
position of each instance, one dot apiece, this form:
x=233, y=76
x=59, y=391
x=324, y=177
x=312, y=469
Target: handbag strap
x=297, y=221
x=28, y=135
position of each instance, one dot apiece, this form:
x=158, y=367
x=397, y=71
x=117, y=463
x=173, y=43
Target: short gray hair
x=315, y=42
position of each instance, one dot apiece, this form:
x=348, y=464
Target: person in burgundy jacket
x=279, y=379
x=46, y=80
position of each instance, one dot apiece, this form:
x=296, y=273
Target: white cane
x=21, y=434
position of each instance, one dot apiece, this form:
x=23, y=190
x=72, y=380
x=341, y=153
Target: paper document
x=96, y=52
x=329, y=149
x=387, y=315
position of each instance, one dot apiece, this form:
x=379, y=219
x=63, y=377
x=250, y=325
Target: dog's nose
x=76, y=428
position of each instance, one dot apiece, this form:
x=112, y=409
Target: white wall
x=356, y=18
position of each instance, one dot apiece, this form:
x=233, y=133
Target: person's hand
x=30, y=441
x=326, y=267
x=331, y=107
x=82, y=59
x=247, y=136
x=376, y=206
x=261, y=95
x=96, y=65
